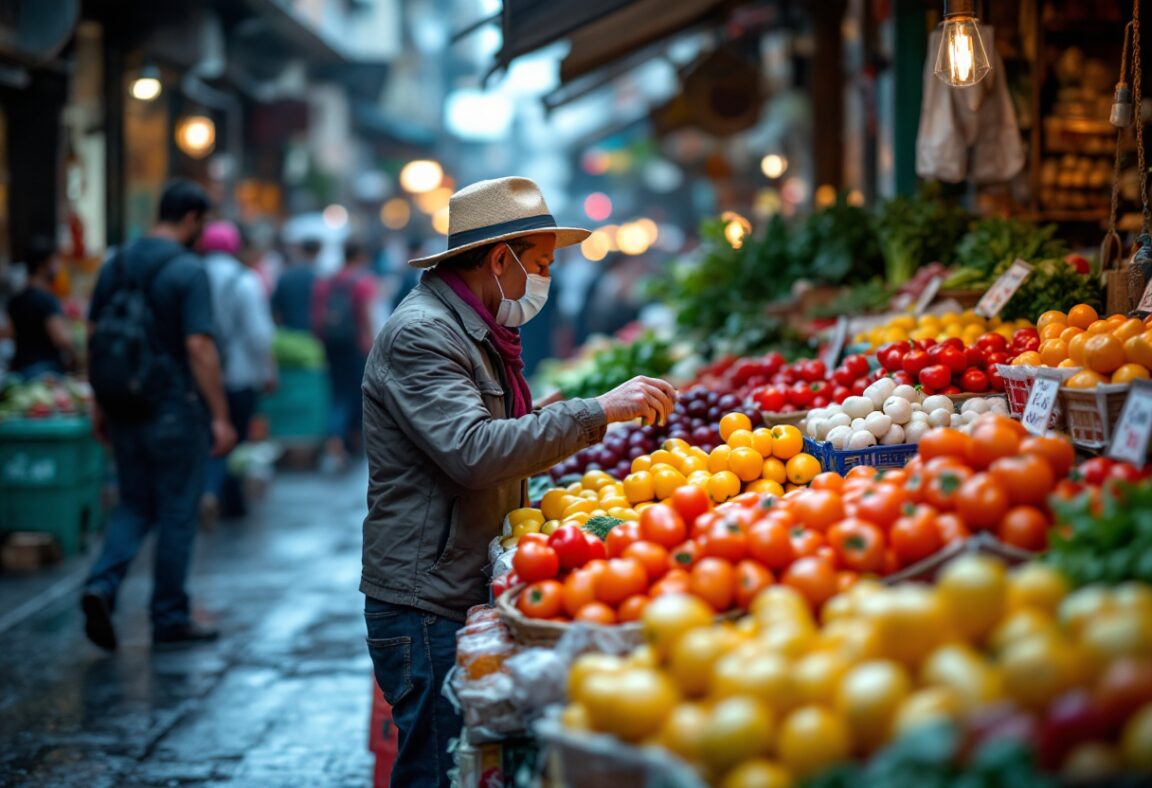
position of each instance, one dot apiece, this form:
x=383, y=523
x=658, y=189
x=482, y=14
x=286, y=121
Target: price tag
x=1041, y=401
x=1002, y=290
x=1133, y=430
x=928, y=294
x=1145, y=304
x=836, y=344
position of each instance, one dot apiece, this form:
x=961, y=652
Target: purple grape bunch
x=695, y=419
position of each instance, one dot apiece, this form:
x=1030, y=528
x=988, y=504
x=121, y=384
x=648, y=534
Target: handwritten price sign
x=1002, y=290
x=930, y=291
x=1041, y=402
x=1134, y=429
x=836, y=344
x=1145, y=304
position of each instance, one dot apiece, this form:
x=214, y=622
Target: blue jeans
x=160, y=471
x=346, y=376
x=412, y=652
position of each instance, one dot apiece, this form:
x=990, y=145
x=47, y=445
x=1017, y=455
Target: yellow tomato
x=583, y=505
x=692, y=464
x=694, y=655
x=1131, y=327
x=508, y=542
x=665, y=481
x=869, y=696
x=677, y=445
x=718, y=459
x=1120, y=633
x=974, y=591
x=816, y=676
x=646, y=698
x=665, y=457
x=911, y=621
x=854, y=639
x=1137, y=740
x=517, y=516
x=579, y=518
x=812, y=738
x=588, y=495
x=1052, y=331
x=973, y=681
x=667, y=618
x=762, y=441
x=587, y=665
x=1036, y=586
x=550, y=527
x=683, y=731
x=639, y=487
x=699, y=478
x=642, y=463
x=746, y=463
x=758, y=773
x=575, y=717
x=765, y=487
x=741, y=439
x=723, y=486
x=787, y=441
x=926, y=707
x=1020, y=625
x=774, y=470
x=1029, y=358
x=802, y=468
x=1085, y=379
x=1100, y=328
x=552, y=505
x=732, y=422
x=1038, y=669
x=1130, y=372
x=738, y=729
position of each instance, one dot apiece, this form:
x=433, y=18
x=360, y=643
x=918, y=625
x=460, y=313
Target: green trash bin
x=51, y=479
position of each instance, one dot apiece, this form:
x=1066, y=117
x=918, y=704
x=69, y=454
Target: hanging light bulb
x=962, y=59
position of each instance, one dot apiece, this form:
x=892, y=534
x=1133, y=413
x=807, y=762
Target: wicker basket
x=1092, y=413
x=1018, y=387
x=982, y=543
x=794, y=419
x=535, y=632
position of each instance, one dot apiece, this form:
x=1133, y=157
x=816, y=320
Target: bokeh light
x=856, y=198
x=794, y=190
x=421, y=175
x=432, y=201
x=598, y=206
x=395, y=213
x=440, y=221
x=736, y=228
x=825, y=195
x=335, y=216
x=596, y=246
x=595, y=162
x=774, y=165
x=651, y=230
x=632, y=238
x=196, y=136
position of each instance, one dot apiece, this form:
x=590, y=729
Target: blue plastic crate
x=49, y=453
x=844, y=460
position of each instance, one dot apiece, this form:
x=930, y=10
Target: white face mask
x=517, y=313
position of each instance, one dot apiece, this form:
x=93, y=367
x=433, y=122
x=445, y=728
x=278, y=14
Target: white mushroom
x=861, y=440
x=838, y=436
x=878, y=424
x=940, y=417
x=894, y=436
x=880, y=390
x=840, y=419
x=898, y=409
x=859, y=407
x=907, y=392
x=915, y=431
x=938, y=402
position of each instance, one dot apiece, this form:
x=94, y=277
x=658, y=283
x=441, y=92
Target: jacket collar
x=471, y=321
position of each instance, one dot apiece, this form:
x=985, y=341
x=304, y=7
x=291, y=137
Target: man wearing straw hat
x=452, y=436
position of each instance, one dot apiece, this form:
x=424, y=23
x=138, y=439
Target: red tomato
x=770, y=399
x=685, y=555
x=952, y=527
x=543, y=599
x=1025, y=527
x=914, y=362
x=1095, y=470
x=712, y=579
x=992, y=342
x=596, y=548
x=726, y=539
x=579, y=590
x=751, y=579
x=943, y=488
x=859, y=544
x=881, y=505
x=663, y=524
x=805, y=542
x=975, y=358
x=891, y=356
x=800, y=395
x=503, y=583
x=621, y=578
x=620, y=537
x=770, y=543
x=817, y=509
x=974, y=381
x=538, y=538
x=1028, y=479
x=534, y=562
x=915, y=536
x=814, y=578
x=653, y=557
x=571, y=546
x=936, y=376
x=1057, y=451
x=982, y=502
x=596, y=613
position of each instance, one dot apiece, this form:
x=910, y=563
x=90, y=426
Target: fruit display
x=949, y=367
x=997, y=657
x=808, y=383
x=1116, y=349
x=966, y=326
x=44, y=397
x=1105, y=533
x=297, y=350
x=606, y=365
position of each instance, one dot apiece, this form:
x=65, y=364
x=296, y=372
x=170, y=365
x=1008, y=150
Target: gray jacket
x=446, y=461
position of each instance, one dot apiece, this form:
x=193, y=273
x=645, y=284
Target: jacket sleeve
x=425, y=380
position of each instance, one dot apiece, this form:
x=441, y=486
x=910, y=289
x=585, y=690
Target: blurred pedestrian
x=342, y=310
x=43, y=341
x=160, y=402
x=292, y=299
x=244, y=334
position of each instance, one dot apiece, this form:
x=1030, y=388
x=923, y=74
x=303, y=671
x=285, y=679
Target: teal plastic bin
x=51, y=479
x=297, y=412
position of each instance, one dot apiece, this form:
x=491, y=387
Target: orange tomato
x=596, y=613
x=802, y=468
x=1027, y=478
x=1052, y=331
x=1070, y=332
x=543, y=599
x=1028, y=358
x=1130, y=372
x=817, y=509
x=945, y=442
x=746, y=463
x=915, y=536
x=1104, y=354
x=718, y=459
x=991, y=441
x=829, y=480
x=1082, y=316
x=1053, y=351
x=770, y=543
x=1085, y=379
x=982, y=501
x=732, y=422
x=632, y=608
x=751, y=579
x=621, y=578
x=740, y=439
x=883, y=504
x=1051, y=316
x=579, y=590
x=1076, y=348
x=952, y=527
x=723, y=485
x=1058, y=452
x=774, y=470
x=1138, y=350
x=713, y=580
x=762, y=441
x=1025, y=527
x=1100, y=327
x=653, y=557
x=665, y=481
x=813, y=577
x=787, y=441
x=1131, y=327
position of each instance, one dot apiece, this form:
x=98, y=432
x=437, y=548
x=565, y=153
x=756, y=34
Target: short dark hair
x=182, y=197
x=354, y=248
x=310, y=246
x=39, y=253
x=474, y=258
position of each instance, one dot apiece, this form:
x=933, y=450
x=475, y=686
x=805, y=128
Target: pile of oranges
x=1116, y=349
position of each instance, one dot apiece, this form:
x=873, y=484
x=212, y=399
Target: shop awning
x=529, y=25
x=32, y=32
x=286, y=24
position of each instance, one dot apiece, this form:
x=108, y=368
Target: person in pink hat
x=244, y=334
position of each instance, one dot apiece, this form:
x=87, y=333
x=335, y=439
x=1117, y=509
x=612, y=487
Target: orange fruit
x=1117, y=319
x=723, y=485
x=1130, y=372
x=1029, y=358
x=1052, y=331
x=746, y=463
x=718, y=459
x=1100, y=327
x=1076, y=348
x=1138, y=350
x=1082, y=316
x=1070, y=332
x=1068, y=364
x=1104, y=353
x=741, y=439
x=762, y=441
x=1051, y=316
x=1132, y=327
x=732, y=422
x=1087, y=379
x=1053, y=351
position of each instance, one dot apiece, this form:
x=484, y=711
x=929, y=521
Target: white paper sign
x=836, y=344
x=1038, y=411
x=1145, y=304
x=1133, y=430
x=1002, y=290
x=929, y=293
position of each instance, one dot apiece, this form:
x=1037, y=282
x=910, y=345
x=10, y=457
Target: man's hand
x=551, y=399
x=223, y=437
x=650, y=399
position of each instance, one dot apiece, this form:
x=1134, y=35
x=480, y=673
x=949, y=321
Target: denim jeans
x=160, y=471
x=412, y=652
x=218, y=481
x=346, y=376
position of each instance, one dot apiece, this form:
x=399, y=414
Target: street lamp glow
x=440, y=221
x=736, y=228
x=632, y=238
x=421, y=175
x=432, y=201
x=961, y=60
x=146, y=88
x=335, y=216
x=196, y=136
x=395, y=213
x=773, y=165
x=651, y=231
x=596, y=246
x=825, y=195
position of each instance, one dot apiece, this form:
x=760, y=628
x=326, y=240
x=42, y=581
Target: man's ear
x=499, y=258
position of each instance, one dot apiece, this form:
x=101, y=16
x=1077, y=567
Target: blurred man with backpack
x=342, y=319
x=160, y=403
x=244, y=333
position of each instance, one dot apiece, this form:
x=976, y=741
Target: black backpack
x=130, y=373
x=341, y=328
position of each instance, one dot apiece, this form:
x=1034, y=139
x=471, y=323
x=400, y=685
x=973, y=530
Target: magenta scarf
x=506, y=340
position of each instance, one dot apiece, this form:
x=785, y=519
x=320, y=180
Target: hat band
x=463, y=238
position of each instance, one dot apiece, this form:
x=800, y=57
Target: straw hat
x=498, y=210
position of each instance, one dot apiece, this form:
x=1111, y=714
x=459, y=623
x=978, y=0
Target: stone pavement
x=281, y=700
